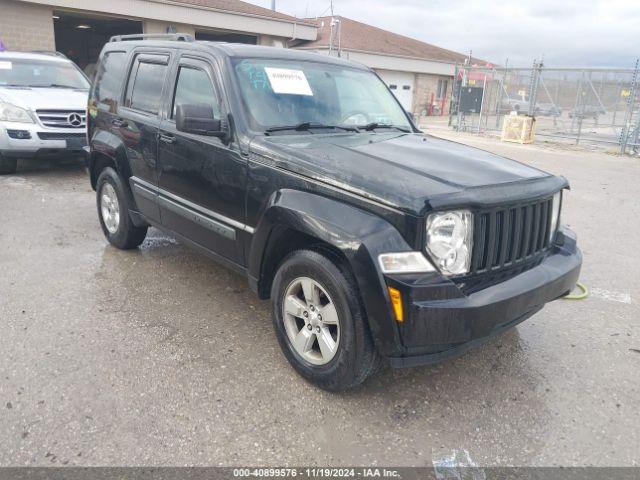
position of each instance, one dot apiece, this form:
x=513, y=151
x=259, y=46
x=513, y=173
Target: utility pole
x=273, y=5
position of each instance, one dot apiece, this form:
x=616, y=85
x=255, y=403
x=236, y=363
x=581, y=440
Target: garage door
x=401, y=84
x=81, y=37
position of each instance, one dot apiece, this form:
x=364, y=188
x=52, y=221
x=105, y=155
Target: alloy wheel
x=311, y=321
x=110, y=208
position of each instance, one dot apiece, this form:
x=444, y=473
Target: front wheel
x=113, y=212
x=319, y=322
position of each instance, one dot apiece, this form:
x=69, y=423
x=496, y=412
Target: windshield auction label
x=291, y=82
x=5, y=65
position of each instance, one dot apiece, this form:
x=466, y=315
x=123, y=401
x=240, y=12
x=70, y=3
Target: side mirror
x=198, y=119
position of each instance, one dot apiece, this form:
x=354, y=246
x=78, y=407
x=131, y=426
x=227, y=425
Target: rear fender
x=105, y=144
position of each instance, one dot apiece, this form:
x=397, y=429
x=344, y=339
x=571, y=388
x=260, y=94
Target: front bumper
x=30, y=140
x=441, y=322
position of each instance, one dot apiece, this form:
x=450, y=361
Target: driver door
x=201, y=179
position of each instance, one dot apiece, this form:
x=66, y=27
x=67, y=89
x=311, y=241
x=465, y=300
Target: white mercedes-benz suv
x=43, y=100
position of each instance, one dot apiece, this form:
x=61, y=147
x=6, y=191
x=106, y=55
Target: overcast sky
x=567, y=32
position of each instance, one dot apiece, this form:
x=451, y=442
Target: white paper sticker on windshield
x=5, y=65
x=292, y=82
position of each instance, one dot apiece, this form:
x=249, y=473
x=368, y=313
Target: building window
x=442, y=88
x=229, y=37
x=393, y=87
x=406, y=87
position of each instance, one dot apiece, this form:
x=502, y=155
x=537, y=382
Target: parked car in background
x=303, y=172
x=547, y=110
x=587, y=111
x=520, y=103
x=516, y=103
x=43, y=99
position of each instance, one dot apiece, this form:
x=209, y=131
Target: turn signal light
x=396, y=302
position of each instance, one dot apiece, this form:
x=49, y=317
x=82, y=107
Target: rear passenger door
x=201, y=178
x=138, y=121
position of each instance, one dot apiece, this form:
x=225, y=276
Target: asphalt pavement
x=159, y=356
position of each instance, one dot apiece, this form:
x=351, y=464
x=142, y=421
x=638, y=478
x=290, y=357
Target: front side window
x=147, y=87
x=194, y=87
x=19, y=72
x=278, y=93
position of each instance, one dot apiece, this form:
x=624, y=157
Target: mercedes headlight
x=450, y=240
x=12, y=113
x=555, y=215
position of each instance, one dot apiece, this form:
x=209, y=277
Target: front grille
x=63, y=118
x=59, y=135
x=509, y=236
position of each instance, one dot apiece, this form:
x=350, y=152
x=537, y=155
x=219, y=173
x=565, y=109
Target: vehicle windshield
x=19, y=72
x=285, y=93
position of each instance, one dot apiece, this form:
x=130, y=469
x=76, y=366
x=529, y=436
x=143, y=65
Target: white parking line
x=620, y=297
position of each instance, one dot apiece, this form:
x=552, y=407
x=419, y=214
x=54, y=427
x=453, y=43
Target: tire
x=8, y=165
x=355, y=358
x=116, y=224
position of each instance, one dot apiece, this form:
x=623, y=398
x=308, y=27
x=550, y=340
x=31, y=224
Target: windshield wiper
x=306, y=126
x=54, y=85
x=373, y=125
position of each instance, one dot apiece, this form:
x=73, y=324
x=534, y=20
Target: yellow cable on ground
x=579, y=296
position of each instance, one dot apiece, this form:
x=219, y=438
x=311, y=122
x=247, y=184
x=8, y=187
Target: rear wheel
x=319, y=322
x=113, y=212
x=8, y=165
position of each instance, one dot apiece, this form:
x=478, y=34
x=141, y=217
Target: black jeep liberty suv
x=373, y=240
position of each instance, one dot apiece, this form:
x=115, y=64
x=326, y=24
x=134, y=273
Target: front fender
x=359, y=235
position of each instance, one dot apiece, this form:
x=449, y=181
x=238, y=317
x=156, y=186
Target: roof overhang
x=392, y=62
x=199, y=16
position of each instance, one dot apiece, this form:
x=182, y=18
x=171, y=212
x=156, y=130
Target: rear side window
x=109, y=80
x=147, y=87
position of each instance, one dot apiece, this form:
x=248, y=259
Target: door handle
x=167, y=138
x=119, y=123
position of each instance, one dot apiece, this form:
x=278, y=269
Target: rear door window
x=146, y=82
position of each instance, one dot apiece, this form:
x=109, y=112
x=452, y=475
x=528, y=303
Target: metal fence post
x=533, y=87
x=578, y=109
x=628, y=114
x=454, y=93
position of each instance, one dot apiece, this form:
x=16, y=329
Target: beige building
x=79, y=28
x=420, y=74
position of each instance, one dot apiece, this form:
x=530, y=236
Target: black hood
x=400, y=170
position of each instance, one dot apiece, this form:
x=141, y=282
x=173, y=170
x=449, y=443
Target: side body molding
x=359, y=235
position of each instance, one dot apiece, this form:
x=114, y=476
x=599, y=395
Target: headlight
x=11, y=113
x=555, y=215
x=450, y=240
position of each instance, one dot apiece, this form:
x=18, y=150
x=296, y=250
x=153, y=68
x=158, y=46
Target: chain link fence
x=595, y=105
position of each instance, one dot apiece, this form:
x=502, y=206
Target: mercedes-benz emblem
x=74, y=119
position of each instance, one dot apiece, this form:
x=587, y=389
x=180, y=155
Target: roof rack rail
x=50, y=53
x=180, y=37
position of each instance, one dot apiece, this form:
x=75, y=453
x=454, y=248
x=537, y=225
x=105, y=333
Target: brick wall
x=24, y=26
x=426, y=90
